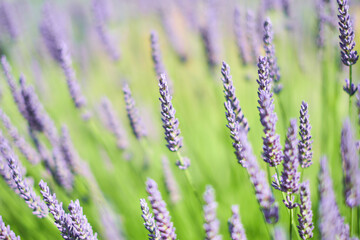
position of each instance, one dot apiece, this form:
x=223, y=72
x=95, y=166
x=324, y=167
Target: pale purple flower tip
x=305, y=217
x=274, y=72
x=331, y=223
x=170, y=123
x=212, y=224
x=68, y=151
x=241, y=41
x=170, y=181
x=350, y=159
x=7, y=19
x=161, y=214
x=229, y=92
x=347, y=44
x=272, y=152
x=61, y=170
x=6, y=232
x=236, y=228
x=133, y=113
x=113, y=123
x=149, y=221
x=6, y=174
x=252, y=35
x=305, y=143
x=156, y=54
x=279, y=233
x=185, y=164
x=320, y=22
x=26, y=191
x=350, y=88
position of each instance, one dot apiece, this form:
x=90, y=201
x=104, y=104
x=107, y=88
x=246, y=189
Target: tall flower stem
x=351, y=221
x=290, y=225
x=350, y=79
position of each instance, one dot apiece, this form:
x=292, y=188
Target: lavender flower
x=251, y=34
x=133, y=114
x=305, y=143
x=161, y=214
x=61, y=171
x=26, y=191
x=320, y=21
x=241, y=42
x=350, y=159
x=274, y=73
x=156, y=54
x=185, y=164
x=6, y=233
x=170, y=123
x=347, y=44
x=68, y=151
x=306, y=225
x=263, y=192
x=113, y=123
x=272, y=153
x=170, y=181
x=110, y=222
x=279, y=233
x=350, y=88
x=331, y=224
x=29, y=153
x=211, y=224
x=229, y=92
x=236, y=229
x=7, y=19
x=6, y=174
x=149, y=221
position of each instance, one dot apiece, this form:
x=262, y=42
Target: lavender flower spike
x=170, y=123
x=156, y=54
x=347, y=44
x=331, y=224
x=229, y=92
x=274, y=73
x=350, y=88
x=236, y=229
x=170, y=181
x=272, y=152
x=305, y=143
x=251, y=33
x=26, y=191
x=69, y=152
x=6, y=233
x=161, y=214
x=305, y=217
x=133, y=114
x=149, y=221
x=240, y=38
x=350, y=159
x=211, y=224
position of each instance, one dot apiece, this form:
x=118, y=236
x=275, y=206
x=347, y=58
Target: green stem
x=358, y=218
x=351, y=221
x=290, y=225
x=350, y=80
x=283, y=112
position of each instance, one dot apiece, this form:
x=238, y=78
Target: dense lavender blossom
x=252, y=36
x=331, y=224
x=26, y=191
x=272, y=152
x=149, y=221
x=350, y=157
x=100, y=19
x=305, y=143
x=156, y=54
x=170, y=123
x=350, y=88
x=305, y=217
x=236, y=228
x=161, y=214
x=113, y=123
x=274, y=73
x=28, y=151
x=6, y=233
x=258, y=179
x=211, y=224
x=229, y=92
x=68, y=151
x=7, y=19
x=347, y=44
x=241, y=41
x=6, y=174
x=58, y=49
x=133, y=113
x=170, y=181
x=62, y=171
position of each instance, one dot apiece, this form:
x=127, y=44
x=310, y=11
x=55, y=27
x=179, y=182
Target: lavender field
x=181, y=119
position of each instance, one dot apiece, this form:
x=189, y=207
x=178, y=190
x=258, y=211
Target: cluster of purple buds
x=156, y=54
x=6, y=232
x=236, y=228
x=350, y=88
x=68, y=151
x=241, y=41
x=149, y=221
x=184, y=164
x=347, y=44
x=305, y=218
x=305, y=143
x=211, y=224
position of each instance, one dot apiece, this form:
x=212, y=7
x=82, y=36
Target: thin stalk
x=301, y=175
x=282, y=110
x=352, y=221
x=290, y=225
x=350, y=79
x=268, y=173
x=358, y=218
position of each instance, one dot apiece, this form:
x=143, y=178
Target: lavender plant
x=211, y=224
x=6, y=233
x=240, y=37
x=305, y=143
x=149, y=221
x=170, y=181
x=236, y=228
x=305, y=217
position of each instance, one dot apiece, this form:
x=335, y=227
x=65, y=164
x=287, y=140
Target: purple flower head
x=241, y=41
x=113, y=123
x=347, y=44
x=236, y=228
x=7, y=19
x=229, y=92
x=350, y=88
x=320, y=22
x=149, y=221
x=185, y=164
x=211, y=224
x=252, y=35
x=331, y=222
x=133, y=113
x=305, y=143
x=350, y=159
x=68, y=151
x=272, y=152
x=26, y=191
x=305, y=217
x=161, y=214
x=274, y=73
x=170, y=181
x=6, y=174
x=6, y=233
x=156, y=54
x=61, y=170
x=170, y=123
